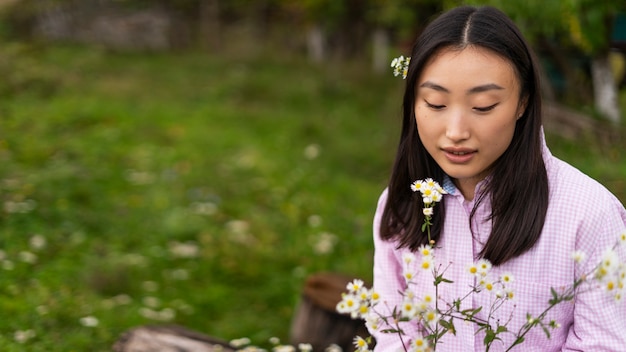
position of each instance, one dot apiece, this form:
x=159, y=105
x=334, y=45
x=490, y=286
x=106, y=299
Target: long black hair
x=519, y=184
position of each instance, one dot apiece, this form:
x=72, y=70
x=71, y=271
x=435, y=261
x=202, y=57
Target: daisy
x=355, y=285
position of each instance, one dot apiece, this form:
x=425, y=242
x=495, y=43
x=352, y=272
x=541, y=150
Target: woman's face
x=466, y=107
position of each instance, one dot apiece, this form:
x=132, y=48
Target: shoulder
x=581, y=204
x=569, y=184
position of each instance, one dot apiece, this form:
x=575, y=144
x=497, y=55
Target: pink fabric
x=582, y=215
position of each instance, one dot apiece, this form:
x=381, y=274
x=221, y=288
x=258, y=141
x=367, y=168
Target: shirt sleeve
x=388, y=282
x=600, y=319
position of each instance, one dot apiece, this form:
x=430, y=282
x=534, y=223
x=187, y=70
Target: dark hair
x=519, y=184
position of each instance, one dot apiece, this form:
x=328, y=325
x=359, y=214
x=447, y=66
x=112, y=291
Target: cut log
x=168, y=339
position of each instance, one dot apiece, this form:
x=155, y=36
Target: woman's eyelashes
x=434, y=106
x=486, y=108
x=480, y=109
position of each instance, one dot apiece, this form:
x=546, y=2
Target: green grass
x=123, y=162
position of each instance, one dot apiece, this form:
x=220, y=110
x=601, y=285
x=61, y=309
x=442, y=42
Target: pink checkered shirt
x=582, y=215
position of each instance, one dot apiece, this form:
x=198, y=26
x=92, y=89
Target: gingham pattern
x=582, y=215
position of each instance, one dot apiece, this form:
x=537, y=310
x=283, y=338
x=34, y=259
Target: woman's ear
x=521, y=108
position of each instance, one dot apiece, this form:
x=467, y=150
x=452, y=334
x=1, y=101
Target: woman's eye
x=486, y=108
x=433, y=106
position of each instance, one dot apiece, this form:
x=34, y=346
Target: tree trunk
x=380, y=48
x=604, y=88
x=209, y=24
x=316, y=44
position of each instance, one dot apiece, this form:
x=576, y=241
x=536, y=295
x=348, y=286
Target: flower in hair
x=400, y=66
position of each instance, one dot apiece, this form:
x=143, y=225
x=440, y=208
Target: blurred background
x=192, y=162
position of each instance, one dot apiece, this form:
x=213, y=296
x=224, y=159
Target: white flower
x=431, y=317
x=622, y=238
x=28, y=257
x=400, y=66
x=506, y=278
x=355, y=286
x=427, y=263
x=419, y=344
x=408, y=257
x=274, y=340
x=240, y=342
x=408, y=275
x=333, y=348
x=428, y=211
x=578, y=256
x=426, y=250
x=284, y=348
x=37, y=242
x=305, y=347
x=360, y=343
x=408, y=309
x=610, y=260
x=483, y=266
x=372, y=321
x=89, y=321
x=348, y=304
x=184, y=250
x=416, y=186
x=374, y=297
x=22, y=336
x=312, y=151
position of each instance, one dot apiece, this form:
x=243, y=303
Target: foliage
x=587, y=23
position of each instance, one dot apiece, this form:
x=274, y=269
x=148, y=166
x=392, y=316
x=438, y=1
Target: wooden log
x=171, y=338
x=316, y=320
x=574, y=125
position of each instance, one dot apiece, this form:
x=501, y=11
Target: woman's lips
x=459, y=155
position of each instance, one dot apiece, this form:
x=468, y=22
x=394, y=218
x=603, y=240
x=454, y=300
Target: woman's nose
x=457, y=127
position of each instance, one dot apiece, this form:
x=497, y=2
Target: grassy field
x=192, y=189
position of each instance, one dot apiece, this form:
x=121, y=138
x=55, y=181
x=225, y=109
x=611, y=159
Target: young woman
x=472, y=122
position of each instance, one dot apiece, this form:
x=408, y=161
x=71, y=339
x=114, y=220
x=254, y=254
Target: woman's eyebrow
x=474, y=90
x=484, y=88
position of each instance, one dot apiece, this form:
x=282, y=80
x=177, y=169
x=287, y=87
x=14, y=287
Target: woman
x=472, y=122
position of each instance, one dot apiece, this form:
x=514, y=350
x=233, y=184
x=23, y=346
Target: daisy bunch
x=431, y=193
x=400, y=66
